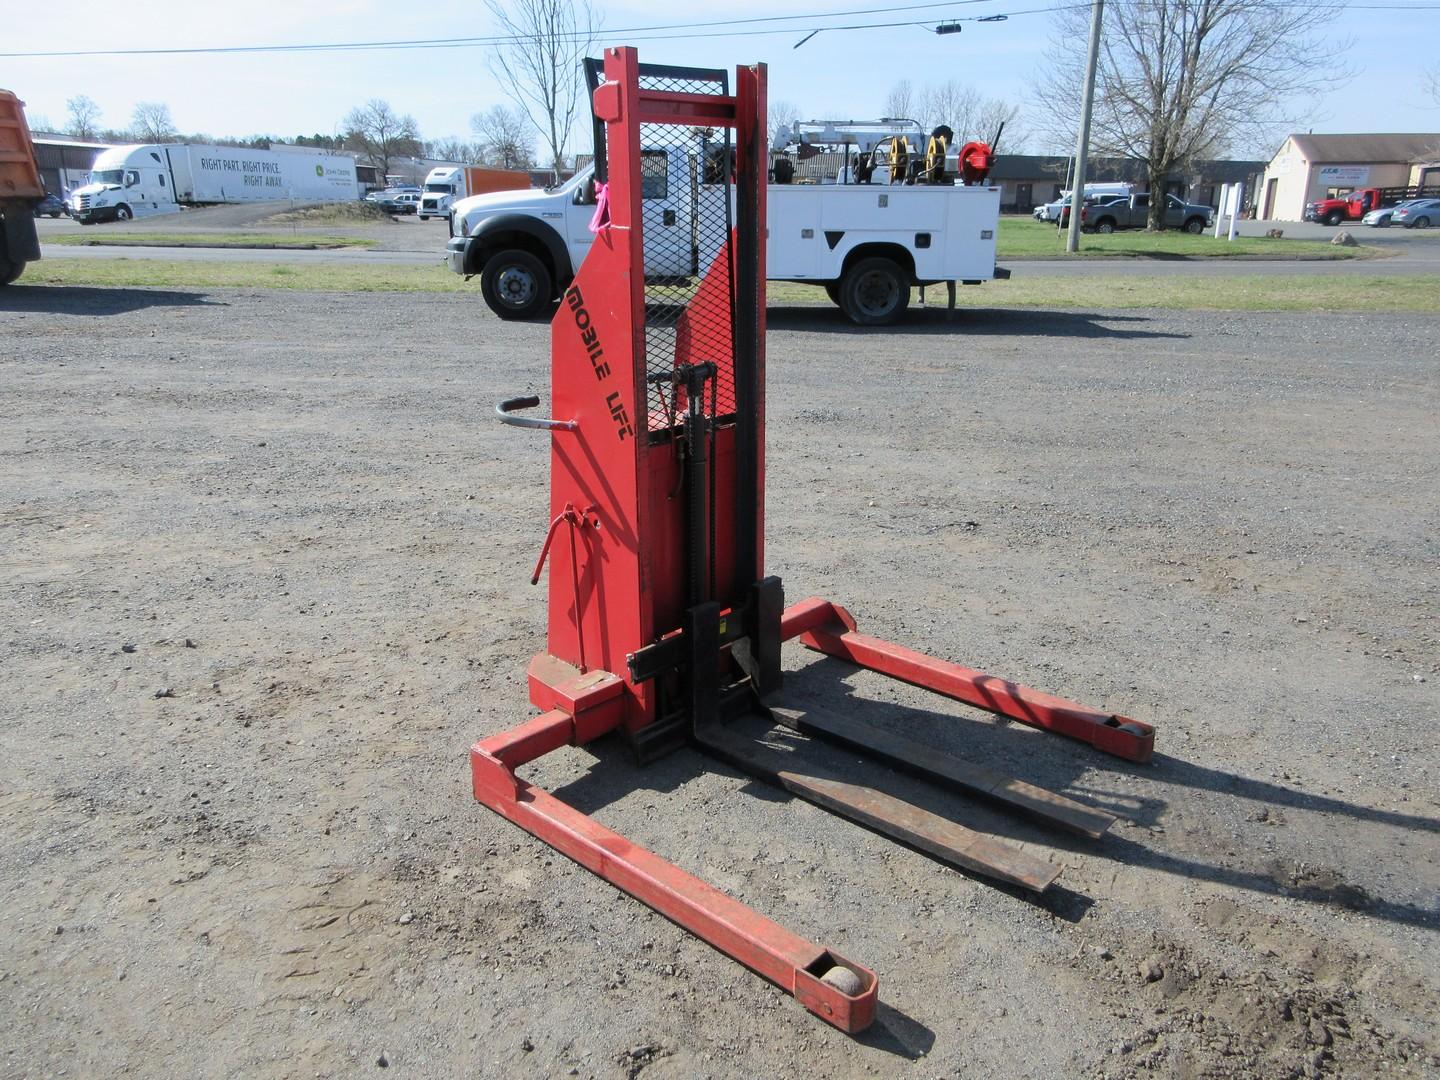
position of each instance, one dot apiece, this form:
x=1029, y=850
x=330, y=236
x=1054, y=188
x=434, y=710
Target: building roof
x=1116, y=170
x=1380, y=147
x=51, y=138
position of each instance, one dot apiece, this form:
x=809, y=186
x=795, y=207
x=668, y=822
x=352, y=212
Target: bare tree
x=151, y=122
x=540, y=65
x=82, y=117
x=968, y=114
x=780, y=114
x=451, y=148
x=987, y=119
x=1183, y=79
x=1432, y=83
x=381, y=133
x=900, y=101
x=952, y=103
x=505, y=139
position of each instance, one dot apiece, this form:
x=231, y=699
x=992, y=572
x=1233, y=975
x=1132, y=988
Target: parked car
x=1063, y=217
x=386, y=194
x=1051, y=211
x=1134, y=213
x=50, y=206
x=1420, y=214
x=405, y=203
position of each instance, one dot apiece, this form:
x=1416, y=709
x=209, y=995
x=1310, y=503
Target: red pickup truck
x=1361, y=201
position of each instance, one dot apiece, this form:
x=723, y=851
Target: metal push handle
x=513, y=405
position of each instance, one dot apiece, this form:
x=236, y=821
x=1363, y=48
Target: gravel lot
x=264, y=580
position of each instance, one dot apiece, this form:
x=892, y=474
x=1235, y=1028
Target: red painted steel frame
x=830, y=629
x=767, y=948
x=612, y=580
x=610, y=592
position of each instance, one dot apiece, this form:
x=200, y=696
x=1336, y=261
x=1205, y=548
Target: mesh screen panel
x=687, y=195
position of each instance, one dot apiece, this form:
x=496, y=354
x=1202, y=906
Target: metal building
x=64, y=161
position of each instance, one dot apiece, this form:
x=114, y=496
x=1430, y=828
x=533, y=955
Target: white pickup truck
x=866, y=243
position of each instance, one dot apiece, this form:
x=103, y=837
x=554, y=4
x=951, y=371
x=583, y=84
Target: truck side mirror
x=585, y=193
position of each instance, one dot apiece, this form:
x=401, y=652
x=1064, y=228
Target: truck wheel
x=874, y=292
x=122, y=213
x=516, y=285
x=1195, y=226
x=1105, y=225
x=1334, y=217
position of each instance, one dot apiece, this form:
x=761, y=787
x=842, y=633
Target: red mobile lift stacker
x=662, y=622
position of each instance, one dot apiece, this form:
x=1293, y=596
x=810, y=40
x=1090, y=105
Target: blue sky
x=838, y=74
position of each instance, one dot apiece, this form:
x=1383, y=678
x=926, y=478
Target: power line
x=506, y=39
x=660, y=32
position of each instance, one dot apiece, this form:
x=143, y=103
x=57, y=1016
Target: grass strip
x=1241, y=292
x=1022, y=238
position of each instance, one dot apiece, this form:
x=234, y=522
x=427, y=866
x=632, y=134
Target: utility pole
x=1082, y=145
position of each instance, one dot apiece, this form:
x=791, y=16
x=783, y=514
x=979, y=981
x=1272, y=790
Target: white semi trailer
x=137, y=181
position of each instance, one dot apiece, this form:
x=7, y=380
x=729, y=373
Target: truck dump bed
x=19, y=176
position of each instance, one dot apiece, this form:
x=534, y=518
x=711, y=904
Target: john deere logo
x=319, y=170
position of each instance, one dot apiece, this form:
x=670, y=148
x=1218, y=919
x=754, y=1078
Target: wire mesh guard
x=687, y=204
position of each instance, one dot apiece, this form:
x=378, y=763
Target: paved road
x=412, y=242
x=338, y=255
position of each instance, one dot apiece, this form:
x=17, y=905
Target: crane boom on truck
x=20, y=190
x=889, y=208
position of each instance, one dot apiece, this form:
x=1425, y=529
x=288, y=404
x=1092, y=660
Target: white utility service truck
x=138, y=181
x=862, y=237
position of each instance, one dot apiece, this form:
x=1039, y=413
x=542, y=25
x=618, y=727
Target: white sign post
x=1231, y=196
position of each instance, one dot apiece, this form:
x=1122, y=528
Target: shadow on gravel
x=615, y=775
x=1080, y=773
x=896, y=1033
x=972, y=322
x=90, y=300
x=1063, y=766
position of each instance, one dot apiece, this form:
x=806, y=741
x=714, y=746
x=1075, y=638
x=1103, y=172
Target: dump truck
x=20, y=190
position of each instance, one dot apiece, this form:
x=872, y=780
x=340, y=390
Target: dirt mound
x=356, y=213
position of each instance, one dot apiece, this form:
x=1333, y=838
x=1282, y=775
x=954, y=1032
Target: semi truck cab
x=125, y=182
x=442, y=187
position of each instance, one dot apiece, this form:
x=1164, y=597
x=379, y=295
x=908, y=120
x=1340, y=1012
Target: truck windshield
x=108, y=176
x=438, y=187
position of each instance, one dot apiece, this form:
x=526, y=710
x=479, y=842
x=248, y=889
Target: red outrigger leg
x=830, y=629
x=789, y=961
